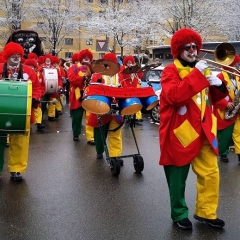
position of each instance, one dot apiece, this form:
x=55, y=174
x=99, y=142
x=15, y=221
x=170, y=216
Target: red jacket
x=187, y=119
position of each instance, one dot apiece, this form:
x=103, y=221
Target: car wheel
x=154, y=114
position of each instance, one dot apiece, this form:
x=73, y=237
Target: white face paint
x=15, y=59
x=189, y=52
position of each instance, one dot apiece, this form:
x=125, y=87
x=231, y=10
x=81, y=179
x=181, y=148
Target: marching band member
x=37, y=108
x=131, y=80
x=61, y=77
x=78, y=74
x=112, y=125
x=52, y=97
x=228, y=130
x=18, y=143
x=188, y=131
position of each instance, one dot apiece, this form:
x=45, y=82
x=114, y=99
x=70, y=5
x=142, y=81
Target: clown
x=228, y=129
x=188, y=130
x=78, y=75
x=13, y=70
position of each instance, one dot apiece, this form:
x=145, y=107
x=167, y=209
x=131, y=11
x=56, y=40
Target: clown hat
x=12, y=48
x=31, y=62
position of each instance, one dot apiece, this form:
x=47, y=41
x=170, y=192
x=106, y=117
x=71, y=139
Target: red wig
x=40, y=60
x=32, y=56
x=12, y=48
x=85, y=53
x=31, y=62
x=75, y=57
x=55, y=59
x=183, y=37
x=48, y=56
x=128, y=58
x=111, y=57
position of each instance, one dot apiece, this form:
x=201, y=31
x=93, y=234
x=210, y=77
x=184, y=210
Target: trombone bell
x=224, y=53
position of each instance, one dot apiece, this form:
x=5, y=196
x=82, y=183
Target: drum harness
x=15, y=76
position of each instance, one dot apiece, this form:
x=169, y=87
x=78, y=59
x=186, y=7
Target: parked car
x=152, y=78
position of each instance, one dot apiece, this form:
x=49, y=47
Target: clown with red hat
x=112, y=125
x=78, y=75
x=14, y=70
x=188, y=130
x=131, y=79
x=228, y=117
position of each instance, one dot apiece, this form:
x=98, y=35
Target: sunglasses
x=188, y=47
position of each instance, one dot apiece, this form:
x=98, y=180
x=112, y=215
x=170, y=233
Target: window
x=68, y=54
x=89, y=41
x=119, y=1
x=168, y=56
x=102, y=1
x=90, y=1
x=68, y=41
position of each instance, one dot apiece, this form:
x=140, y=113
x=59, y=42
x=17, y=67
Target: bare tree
x=56, y=20
x=200, y=15
x=13, y=13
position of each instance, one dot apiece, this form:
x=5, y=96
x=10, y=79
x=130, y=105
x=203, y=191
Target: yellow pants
x=139, y=115
x=89, y=129
x=236, y=135
x=18, y=152
x=51, y=108
x=205, y=166
x=37, y=115
x=59, y=104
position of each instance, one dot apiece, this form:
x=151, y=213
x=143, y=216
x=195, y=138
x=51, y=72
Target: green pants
x=176, y=180
x=77, y=115
x=225, y=139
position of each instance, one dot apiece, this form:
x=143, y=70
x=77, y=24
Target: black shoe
x=214, y=223
x=51, y=119
x=99, y=156
x=224, y=158
x=76, y=139
x=91, y=142
x=120, y=161
x=184, y=224
x=239, y=158
x=16, y=176
x=40, y=126
x=59, y=113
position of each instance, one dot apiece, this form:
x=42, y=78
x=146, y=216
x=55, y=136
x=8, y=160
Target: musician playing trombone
x=188, y=130
x=227, y=113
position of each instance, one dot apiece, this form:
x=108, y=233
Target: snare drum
x=97, y=104
x=50, y=76
x=129, y=106
x=15, y=106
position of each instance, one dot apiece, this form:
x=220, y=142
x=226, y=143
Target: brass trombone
x=224, y=55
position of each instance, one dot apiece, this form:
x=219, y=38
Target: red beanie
x=31, y=62
x=2, y=59
x=55, y=59
x=12, y=48
x=32, y=56
x=75, y=57
x=183, y=37
x=111, y=57
x=128, y=58
x=85, y=53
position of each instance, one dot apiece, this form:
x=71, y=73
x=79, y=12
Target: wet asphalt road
x=69, y=195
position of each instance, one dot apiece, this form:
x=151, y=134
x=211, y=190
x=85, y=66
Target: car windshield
x=153, y=76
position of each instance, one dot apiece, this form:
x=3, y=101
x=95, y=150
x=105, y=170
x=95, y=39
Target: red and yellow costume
x=228, y=129
x=188, y=130
x=19, y=144
x=77, y=75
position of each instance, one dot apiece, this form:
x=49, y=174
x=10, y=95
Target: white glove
x=213, y=80
x=201, y=65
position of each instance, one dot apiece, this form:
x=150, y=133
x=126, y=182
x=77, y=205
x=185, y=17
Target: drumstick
x=53, y=101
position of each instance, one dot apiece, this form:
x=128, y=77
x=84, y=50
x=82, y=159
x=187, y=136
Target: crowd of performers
x=71, y=82
x=192, y=111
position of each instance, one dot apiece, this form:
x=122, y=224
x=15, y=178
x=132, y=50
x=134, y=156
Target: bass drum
x=15, y=107
x=50, y=76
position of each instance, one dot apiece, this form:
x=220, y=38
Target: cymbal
x=132, y=69
x=105, y=67
x=149, y=67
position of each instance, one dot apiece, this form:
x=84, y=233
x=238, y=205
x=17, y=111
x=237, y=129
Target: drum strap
x=118, y=127
x=6, y=72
